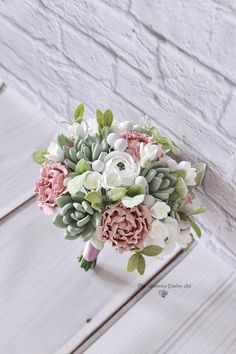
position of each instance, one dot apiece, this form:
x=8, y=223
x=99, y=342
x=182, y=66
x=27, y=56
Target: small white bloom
x=120, y=144
x=141, y=180
x=77, y=129
x=184, y=238
x=164, y=233
x=121, y=167
x=191, y=173
x=137, y=127
x=55, y=153
x=149, y=200
x=98, y=165
x=160, y=210
x=93, y=181
x=111, y=179
x=130, y=202
x=148, y=153
x=171, y=163
x=112, y=138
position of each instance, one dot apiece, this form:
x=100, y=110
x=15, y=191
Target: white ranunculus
x=148, y=153
x=93, y=181
x=160, y=210
x=55, y=153
x=191, y=173
x=120, y=169
x=164, y=234
x=171, y=163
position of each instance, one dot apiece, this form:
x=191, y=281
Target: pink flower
x=50, y=186
x=125, y=227
x=134, y=140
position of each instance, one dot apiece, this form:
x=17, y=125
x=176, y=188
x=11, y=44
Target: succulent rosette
x=118, y=184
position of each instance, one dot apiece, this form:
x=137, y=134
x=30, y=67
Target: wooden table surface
x=49, y=305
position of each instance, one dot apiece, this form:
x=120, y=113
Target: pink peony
x=50, y=186
x=134, y=140
x=125, y=227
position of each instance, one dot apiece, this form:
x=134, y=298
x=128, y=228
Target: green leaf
x=63, y=140
x=152, y=250
x=99, y=116
x=194, y=226
x=141, y=264
x=197, y=211
x=93, y=197
x=39, y=156
x=76, y=183
x=168, y=144
x=200, y=169
x=107, y=118
x=132, y=263
x=136, y=190
x=180, y=173
x=116, y=194
x=181, y=188
x=79, y=112
x=58, y=221
x=82, y=166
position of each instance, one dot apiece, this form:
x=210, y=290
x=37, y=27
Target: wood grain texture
x=195, y=320
x=47, y=303
x=23, y=129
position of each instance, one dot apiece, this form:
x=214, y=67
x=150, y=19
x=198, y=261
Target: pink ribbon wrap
x=90, y=252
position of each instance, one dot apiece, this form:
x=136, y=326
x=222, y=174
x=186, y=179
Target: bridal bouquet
x=118, y=183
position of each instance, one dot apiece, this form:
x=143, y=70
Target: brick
x=184, y=22
x=117, y=31
x=223, y=50
x=88, y=55
x=210, y=145
x=38, y=23
x=190, y=82
x=206, y=31
x=122, y=4
x=228, y=121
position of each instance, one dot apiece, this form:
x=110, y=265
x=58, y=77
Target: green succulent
x=162, y=185
x=90, y=148
x=76, y=216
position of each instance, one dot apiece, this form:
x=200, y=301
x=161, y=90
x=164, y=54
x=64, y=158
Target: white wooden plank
x=23, y=129
x=45, y=298
x=200, y=319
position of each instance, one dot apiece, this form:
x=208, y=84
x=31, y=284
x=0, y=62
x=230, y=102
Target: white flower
x=120, y=170
x=148, y=153
x=171, y=163
x=184, y=237
x=164, y=234
x=93, y=181
x=55, y=153
x=191, y=173
x=130, y=202
x=160, y=210
x=77, y=129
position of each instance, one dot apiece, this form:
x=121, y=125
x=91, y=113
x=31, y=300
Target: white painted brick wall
x=175, y=60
